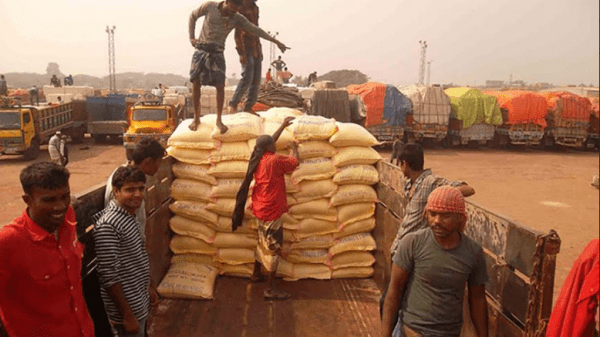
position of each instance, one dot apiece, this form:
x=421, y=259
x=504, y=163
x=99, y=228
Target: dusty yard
x=543, y=190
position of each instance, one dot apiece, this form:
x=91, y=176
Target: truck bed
x=343, y=307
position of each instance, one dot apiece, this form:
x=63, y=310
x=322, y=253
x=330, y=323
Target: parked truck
x=107, y=115
x=24, y=128
x=520, y=261
x=149, y=117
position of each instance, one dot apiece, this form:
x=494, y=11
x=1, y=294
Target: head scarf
x=262, y=143
x=446, y=199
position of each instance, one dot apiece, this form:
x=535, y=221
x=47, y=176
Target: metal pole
x=422, y=62
x=272, y=52
x=111, y=59
x=429, y=71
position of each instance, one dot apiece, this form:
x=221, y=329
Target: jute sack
x=291, y=200
x=227, y=188
x=242, y=126
x=229, y=169
x=193, y=210
x=183, y=226
x=193, y=172
x=225, y=206
x=230, y=151
x=314, y=242
x=361, y=241
x=315, y=189
x=360, y=226
x=315, y=149
x=291, y=187
x=189, y=156
x=269, y=128
x=313, y=169
x=249, y=225
x=189, y=280
x=200, y=139
x=234, y=240
x=240, y=270
x=355, y=155
x=350, y=194
x=351, y=259
x=235, y=256
x=278, y=114
x=313, y=128
x=351, y=134
x=186, y=189
x=288, y=219
x=309, y=270
x=285, y=268
x=350, y=213
x=195, y=258
x=353, y=272
x=310, y=227
x=307, y=255
x=181, y=244
x=356, y=174
x=316, y=209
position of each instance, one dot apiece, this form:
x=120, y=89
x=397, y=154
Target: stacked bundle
x=331, y=202
x=326, y=230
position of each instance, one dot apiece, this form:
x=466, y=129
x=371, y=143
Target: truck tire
x=78, y=136
x=33, y=151
x=99, y=139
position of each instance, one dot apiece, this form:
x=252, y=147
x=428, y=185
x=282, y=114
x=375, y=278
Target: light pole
x=429, y=71
x=272, y=51
x=112, y=83
x=422, y=62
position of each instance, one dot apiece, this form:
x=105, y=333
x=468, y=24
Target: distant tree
x=54, y=69
x=343, y=78
x=300, y=81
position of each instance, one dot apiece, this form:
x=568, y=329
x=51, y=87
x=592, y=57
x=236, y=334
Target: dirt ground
x=542, y=190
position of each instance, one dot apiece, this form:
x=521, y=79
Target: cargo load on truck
x=523, y=116
x=431, y=112
x=474, y=116
x=568, y=119
x=387, y=110
x=107, y=115
x=330, y=197
x=24, y=128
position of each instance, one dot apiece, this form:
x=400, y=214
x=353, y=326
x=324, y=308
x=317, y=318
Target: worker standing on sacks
x=269, y=203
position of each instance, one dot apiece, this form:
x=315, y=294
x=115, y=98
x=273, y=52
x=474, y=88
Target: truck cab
x=17, y=130
x=150, y=117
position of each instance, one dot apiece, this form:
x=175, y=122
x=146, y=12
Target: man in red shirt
x=269, y=203
x=40, y=261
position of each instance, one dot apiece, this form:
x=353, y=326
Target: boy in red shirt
x=269, y=203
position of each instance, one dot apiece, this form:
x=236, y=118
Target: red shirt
x=269, y=201
x=40, y=280
x=269, y=78
x=575, y=308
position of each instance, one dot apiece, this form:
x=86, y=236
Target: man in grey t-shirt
x=431, y=268
x=208, y=62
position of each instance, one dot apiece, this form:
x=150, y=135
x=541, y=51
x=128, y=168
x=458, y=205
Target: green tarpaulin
x=471, y=106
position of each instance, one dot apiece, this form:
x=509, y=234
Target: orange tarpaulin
x=522, y=106
x=595, y=106
x=372, y=94
x=569, y=105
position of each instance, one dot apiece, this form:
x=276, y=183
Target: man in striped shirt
x=123, y=266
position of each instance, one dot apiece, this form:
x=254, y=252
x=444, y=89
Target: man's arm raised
x=391, y=304
x=286, y=122
x=245, y=24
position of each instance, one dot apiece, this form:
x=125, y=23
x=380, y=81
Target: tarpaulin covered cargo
x=522, y=106
x=568, y=105
x=385, y=104
x=431, y=105
x=471, y=106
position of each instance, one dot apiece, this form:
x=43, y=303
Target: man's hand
x=288, y=121
x=293, y=145
x=131, y=324
x=243, y=60
x=193, y=42
x=282, y=47
x=153, y=296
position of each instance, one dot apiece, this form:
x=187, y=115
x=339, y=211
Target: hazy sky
x=469, y=40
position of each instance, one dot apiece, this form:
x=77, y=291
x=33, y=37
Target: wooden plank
x=86, y=204
x=499, y=325
x=393, y=201
x=381, y=266
x=515, y=292
x=390, y=175
x=158, y=237
x=488, y=229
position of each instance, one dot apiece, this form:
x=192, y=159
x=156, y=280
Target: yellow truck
x=24, y=128
x=150, y=117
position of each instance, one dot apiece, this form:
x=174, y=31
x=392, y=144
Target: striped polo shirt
x=122, y=259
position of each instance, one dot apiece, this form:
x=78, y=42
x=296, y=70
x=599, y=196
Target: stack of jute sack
x=331, y=200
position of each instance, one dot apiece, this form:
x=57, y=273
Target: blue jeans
x=250, y=82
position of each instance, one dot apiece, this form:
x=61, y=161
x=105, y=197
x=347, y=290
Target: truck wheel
x=33, y=151
x=98, y=139
x=78, y=137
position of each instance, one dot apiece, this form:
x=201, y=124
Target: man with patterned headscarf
x=431, y=268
